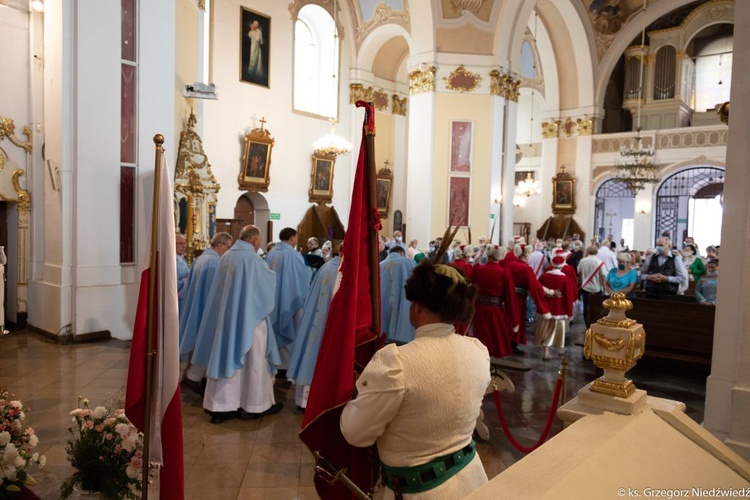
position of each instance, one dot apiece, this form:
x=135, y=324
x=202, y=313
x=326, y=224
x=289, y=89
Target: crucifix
x=610, y=214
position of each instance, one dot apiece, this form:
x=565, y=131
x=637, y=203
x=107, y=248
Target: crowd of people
x=248, y=318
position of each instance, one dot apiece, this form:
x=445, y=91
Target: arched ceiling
x=389, y=58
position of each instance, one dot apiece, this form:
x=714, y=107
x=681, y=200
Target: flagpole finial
x=158, y=139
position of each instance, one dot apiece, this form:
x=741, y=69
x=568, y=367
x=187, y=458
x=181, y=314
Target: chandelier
x=528, y=187
x=637, y=168
x=332, y=144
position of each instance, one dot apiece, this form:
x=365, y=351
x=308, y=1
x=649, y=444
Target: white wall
x=242, y=105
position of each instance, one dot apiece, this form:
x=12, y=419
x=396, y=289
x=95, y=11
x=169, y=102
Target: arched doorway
x=688, y=203
x=614, y=211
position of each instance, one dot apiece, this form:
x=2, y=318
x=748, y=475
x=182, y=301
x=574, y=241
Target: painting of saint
x=256, y=161
x=255, y=35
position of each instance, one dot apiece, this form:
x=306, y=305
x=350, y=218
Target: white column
x=549, y=170
x=584, y=206
x=499, y=204
x=509, y=171
x=419, y=171
x=728, y=386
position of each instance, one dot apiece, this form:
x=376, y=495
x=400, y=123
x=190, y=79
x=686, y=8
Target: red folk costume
x=465, y=268
x=526, y=284
x=551, y=331
x=496, y=312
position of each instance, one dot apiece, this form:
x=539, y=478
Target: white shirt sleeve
x=380, y=393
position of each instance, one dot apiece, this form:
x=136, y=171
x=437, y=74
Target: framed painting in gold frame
x=321, y=178
x=563, y=194
x=256, y=161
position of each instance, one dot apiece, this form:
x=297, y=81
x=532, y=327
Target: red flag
x=353, y=324
x=165, y=433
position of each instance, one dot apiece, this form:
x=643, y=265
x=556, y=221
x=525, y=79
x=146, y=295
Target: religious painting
x=384, y=196
x=520, y=175
x=256, y=161
x=458, y=205
x=563, y=194
x=321, y=179
x=255, y=39
x=461, y=146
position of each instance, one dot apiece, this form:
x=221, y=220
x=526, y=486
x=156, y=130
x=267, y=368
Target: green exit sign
x=275, y=216
x=492, y=216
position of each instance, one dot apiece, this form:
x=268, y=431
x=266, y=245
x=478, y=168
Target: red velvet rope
x=545, y=433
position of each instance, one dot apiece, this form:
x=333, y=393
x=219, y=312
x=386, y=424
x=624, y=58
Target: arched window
x=316, y=62
x=614, y=211
x=528, y=63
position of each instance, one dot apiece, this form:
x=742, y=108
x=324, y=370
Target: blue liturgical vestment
x=241, y=296
x=292, y=283
x=314, y=316
x=199, y=284
x=394, y=308
x=183, y=272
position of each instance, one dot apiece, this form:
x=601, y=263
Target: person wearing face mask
x=695, y=267
x=622, y=279
x=705, y=289
x=663, y=273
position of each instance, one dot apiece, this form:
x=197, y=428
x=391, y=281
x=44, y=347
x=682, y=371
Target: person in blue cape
x=241, y=359
x=394, y=307
x=292, y=283
x=183, y=270
x=310, y=333
x=199, y=284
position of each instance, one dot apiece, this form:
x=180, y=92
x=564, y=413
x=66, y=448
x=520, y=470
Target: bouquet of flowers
x=107, y=452
x=16, y=446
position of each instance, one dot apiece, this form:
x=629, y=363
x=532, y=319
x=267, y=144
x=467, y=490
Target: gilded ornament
x=550, y=129
x=8, y=129
x=398, y=106
x=380, y=100
x=609, y=344
x=585, y=125
x=461, y=80
x=422, y=80
x=358, y=92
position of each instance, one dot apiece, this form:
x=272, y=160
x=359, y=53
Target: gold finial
x=262, y=123
x=158, y=139
x=618, y=301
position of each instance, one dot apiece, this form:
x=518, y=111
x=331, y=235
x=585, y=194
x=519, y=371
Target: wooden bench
x=677, y=329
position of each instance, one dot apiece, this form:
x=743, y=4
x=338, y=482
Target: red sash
x=591, y=276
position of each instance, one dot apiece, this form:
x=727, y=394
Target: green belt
x=430, y=475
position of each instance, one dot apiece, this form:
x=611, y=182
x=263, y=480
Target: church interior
x=534, y=118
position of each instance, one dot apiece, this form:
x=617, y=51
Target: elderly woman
x=623, y=279
x=420, y=401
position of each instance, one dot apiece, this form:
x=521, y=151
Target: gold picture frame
x=256, y=160
x=563, y=193
x=321, y=178
x=384, y=187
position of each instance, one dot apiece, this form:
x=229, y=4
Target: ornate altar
x=195, y=192
x=12, y=192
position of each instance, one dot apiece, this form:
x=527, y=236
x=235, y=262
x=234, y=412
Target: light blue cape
x=199, y=284
x=292, y=283
x=394, y=308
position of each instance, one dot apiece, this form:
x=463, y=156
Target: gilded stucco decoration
x=550, y=129
x=454, y=9
x=386, y=11
x=461, y=80
x=195, y=191
x=504, y=85
x=398, y=105
x=379, y=97
x=8, y=129
x=422, y=80
x=568, y=127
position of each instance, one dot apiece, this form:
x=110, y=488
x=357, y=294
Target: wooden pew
x=677, y=329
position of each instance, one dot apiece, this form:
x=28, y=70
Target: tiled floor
x=264, y=459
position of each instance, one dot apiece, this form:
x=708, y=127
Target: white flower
x=19, y=461
x=16, y=404
x=132, y=472
x=10, y=453
x=76, y=412
x=35, y=457
x=33, y=440
x=21, y=415
x=99, y=412
x=4, y=438
x=122, y=429
x=128, y=444
x=42, y=460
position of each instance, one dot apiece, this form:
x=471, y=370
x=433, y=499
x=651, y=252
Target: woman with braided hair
x=420, y=401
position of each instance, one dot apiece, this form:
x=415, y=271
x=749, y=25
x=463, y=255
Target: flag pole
x=372, y=233
x=150, y=321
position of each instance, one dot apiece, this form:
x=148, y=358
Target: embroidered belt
x=408, y=480
x=522, y=291
x=490, y=300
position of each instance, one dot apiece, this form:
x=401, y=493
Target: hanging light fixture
x=636, y=168
x=528, y=187
x=333, y=144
